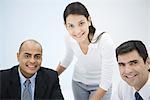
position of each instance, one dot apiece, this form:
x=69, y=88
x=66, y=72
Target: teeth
x=78, y=36
x=30, y=66
x=130, y=76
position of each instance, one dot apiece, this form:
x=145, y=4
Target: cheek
x=39, y=62
x=86, y=27
x=140, y=68
x=70, y=32
x=120, y=70
x=21, y=61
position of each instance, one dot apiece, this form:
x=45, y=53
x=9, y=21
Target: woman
x=95, y=55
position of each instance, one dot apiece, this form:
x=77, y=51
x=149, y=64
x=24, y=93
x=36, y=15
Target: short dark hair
x=131, y=45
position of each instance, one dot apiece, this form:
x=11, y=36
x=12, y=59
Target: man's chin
x=131, y=83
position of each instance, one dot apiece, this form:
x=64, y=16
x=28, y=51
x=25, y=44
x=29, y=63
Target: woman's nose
x=77, y=30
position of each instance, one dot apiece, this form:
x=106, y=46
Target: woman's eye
x=81, y=23
x=70, y=26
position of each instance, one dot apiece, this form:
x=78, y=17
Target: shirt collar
x=23, y=79
x=145, y=90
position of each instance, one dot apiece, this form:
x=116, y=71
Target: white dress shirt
x=126, y=92
x=96, y=66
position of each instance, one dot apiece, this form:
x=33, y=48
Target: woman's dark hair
x=79, y=9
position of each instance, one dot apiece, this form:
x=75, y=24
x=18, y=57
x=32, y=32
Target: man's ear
x=18, y=56
x=148, y=63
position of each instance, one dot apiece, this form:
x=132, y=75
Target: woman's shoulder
x=105, y=41
x=102, y=36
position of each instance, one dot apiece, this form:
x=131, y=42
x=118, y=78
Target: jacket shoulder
x=7, y=72
x=47, y=72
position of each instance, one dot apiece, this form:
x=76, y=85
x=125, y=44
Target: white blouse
x=95, y=67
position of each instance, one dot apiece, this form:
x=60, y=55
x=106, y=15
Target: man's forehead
x=131, y=56
x=30, y=45
x=29, y=42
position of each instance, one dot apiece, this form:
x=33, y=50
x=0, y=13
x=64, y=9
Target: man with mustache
x=43, y=83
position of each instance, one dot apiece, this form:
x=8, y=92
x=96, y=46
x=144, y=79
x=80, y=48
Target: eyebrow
x=82, y=20
x=128, y=62
x=31, y=54
x=37, y=54
x=27, y=53
x=133, y=61
x=121, y=63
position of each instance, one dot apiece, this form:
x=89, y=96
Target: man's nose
x=32, y=60
x=127, y=68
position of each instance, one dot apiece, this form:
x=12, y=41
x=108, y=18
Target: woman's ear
x=148, y=60
x=89, y=20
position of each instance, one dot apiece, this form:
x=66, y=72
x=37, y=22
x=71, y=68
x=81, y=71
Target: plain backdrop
x=43, y=20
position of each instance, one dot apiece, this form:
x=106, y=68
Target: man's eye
x=121, y=65
x=26, y=56
x=133, y=63
x=37, y=57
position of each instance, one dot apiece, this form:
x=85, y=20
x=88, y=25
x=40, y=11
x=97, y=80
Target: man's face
x=29, y=58
x=133, y=70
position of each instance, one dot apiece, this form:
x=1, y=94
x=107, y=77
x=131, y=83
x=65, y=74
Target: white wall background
x=148, y=41
x=43, y=20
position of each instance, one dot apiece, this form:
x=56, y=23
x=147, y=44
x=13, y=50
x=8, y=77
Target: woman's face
x=78, y=27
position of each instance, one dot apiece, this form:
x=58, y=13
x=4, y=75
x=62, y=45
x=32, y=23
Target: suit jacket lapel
x=40, y=85
x=14, y=88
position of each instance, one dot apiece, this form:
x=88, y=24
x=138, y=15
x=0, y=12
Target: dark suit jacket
x=46, y=85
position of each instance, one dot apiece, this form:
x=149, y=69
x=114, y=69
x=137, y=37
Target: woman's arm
x=108, y=62
x=98, y=94
x=60, y=69
x=68, y=57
